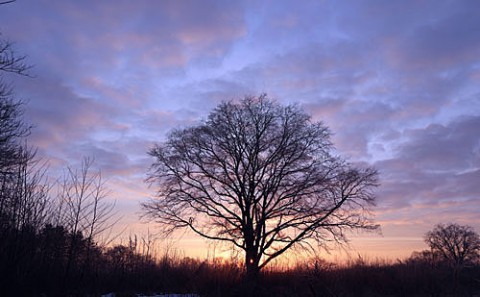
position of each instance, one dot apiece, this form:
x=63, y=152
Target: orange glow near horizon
x=368, y=249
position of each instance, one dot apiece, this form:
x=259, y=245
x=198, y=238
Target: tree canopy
x=455, y=243
x=261, y=176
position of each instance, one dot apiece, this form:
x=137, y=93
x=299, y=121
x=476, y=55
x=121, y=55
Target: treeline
x=419, y=275
x=41, y=266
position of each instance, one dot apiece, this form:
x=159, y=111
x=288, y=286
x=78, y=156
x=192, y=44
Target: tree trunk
x=252, y=270
x=252, y=273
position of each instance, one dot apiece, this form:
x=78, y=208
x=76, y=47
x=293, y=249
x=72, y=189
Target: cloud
x=433, y=175
x=452, y=147
x=60, y=115
x=444, y=41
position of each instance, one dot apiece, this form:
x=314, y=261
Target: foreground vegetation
x=41, y=264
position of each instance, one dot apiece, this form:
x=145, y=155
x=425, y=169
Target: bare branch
x=10, y=62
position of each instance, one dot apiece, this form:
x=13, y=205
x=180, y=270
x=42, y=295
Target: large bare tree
x=262, y=177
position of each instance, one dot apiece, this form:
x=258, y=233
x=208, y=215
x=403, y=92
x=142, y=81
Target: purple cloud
x=434, y=174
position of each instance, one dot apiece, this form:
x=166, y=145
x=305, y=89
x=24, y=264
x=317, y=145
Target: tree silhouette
x=260, y=176
x=457, y=244
x=83, y=211
x=12, y=126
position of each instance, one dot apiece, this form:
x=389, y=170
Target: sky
x=398, y=83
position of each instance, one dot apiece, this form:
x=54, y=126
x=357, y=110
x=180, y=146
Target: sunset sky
x=398, y=83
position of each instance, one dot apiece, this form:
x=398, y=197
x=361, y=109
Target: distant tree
x=83, y=210
x=83, y=202
x=457, y=244
x=260, y=176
